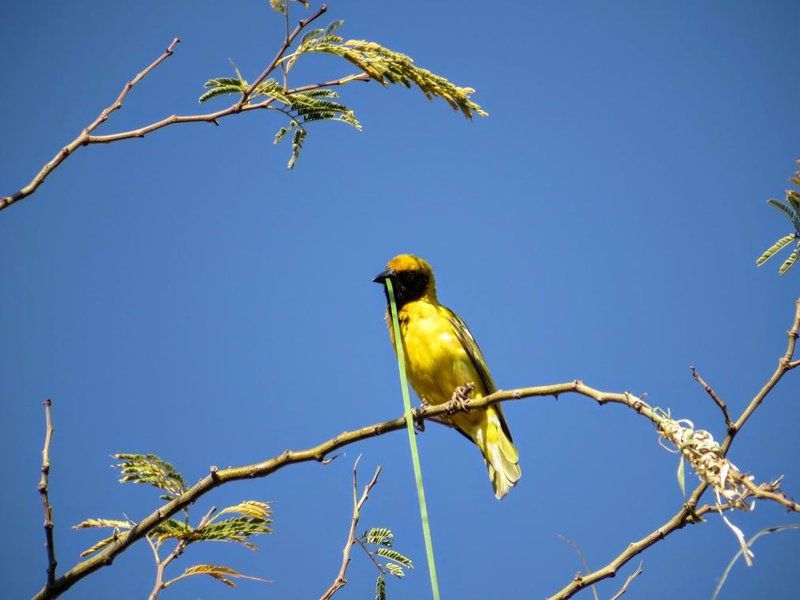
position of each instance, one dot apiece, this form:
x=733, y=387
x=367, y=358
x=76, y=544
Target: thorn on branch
x=214, y=472
x=326, y=460
x=419, y=419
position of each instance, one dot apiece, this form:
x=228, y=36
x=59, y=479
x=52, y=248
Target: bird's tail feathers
x=502, y=458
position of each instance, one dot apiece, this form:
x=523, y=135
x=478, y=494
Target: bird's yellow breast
x=436, y=361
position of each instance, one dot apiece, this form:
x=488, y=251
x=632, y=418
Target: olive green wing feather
x=473, y=350
x=476, y=356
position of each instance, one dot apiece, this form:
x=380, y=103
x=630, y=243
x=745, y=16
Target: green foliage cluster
x=377, y=543
x=317, y=102
x=246, y=519
x=790, y=208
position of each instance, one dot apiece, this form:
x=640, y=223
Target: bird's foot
x=460, y=400
x=419, y=422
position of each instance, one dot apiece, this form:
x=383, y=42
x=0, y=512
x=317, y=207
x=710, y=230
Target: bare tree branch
x=352, y=538
x=717, y=400
x=43, y=492
x=86, y=136
x=686, y=515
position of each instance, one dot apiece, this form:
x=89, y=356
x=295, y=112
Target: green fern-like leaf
x=775, y=248
x=378, y=535
x=389, y=67
x=173, y=528
x=151, y=470
x=297, y=145
x=280, y=134
x=95, y=523
x=392, y=554
x=249, y=508
x=395, y=570
x=273, y=89
x=789, y=262
x=221, y=573
x=236, y=529
x=380, y=588
x=88, y=523
x=99, y=545
x=223, y=86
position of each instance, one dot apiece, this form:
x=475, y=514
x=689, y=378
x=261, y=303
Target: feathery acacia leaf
x=221, y=573
x=392, y=554
x=94, y=523
x=380, y=588
x=395, y=570
x=222, y=86
x=378, y=535
x=789, y=262
x=236, y=529
x=387, y=66
x=790, y=208
x=297, y=144
x=280, y=134
x=98, y=546
x=776, y=247
x=173, y=528
x=152, y=470
x=249, y=508
x=103, y=523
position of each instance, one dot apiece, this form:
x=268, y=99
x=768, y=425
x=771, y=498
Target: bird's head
x=411, y=276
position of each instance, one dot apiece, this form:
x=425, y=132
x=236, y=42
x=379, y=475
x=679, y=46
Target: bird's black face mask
x=407, y=285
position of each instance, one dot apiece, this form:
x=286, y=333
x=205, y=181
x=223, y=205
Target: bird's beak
x=381, y=277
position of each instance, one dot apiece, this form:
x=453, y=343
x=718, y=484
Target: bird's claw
x=460, y=400
x=419, y=422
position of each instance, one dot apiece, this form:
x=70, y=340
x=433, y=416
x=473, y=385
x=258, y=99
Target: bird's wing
x=473, y=350
x=476, y=356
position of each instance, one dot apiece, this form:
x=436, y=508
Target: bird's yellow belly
x=436, y=361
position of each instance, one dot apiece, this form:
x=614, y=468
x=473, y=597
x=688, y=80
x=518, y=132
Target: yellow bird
x=441, y=356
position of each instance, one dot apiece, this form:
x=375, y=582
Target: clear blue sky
x=186, y=295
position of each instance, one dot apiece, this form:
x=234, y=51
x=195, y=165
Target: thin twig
x=767, y=491
x=785, y=364
x=84, y=137
x=161, y=565
x=287, y=41
x=43, y=492
x=581, y=557
x=352, y=538
x=717, y=400
x=628, y=581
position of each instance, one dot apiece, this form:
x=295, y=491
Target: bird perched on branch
x=444, y=362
